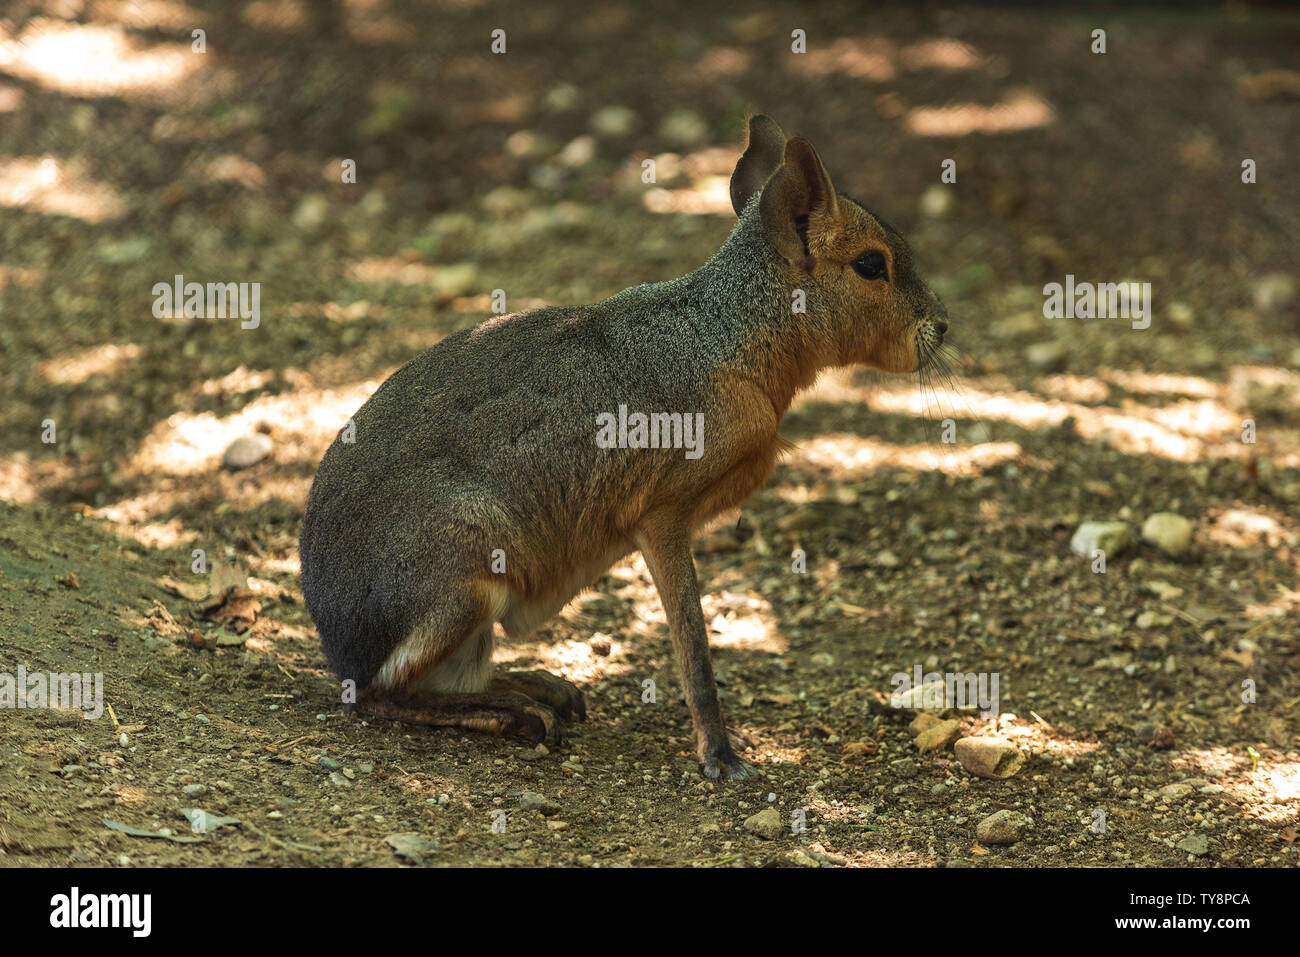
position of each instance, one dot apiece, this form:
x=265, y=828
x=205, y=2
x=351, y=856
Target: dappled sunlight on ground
x=1033, y=734
x=101, y=60
x=77, y=367
x=276, y=15
x=58, y=187
x=372, y=21
x=863, y=58
x=1015, y=112
x=771, y=753
x=21, y=479
x=1152, y=383
x=1274, y=612
x=1184, y=431
x=743, y=621
x=878, y=59
x=887, y=859
x=392, y=269
x=1268, y=788
x=128, y=520
x=20, y=277
x=711, y=198
x=854, y=456
x=941, y=53
x=572, y=658
x=1246, y=527
x=225, y=486
x=304, y=422
x=11, y=97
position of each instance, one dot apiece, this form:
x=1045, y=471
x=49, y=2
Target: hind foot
x=499, y=713
x=560, y=694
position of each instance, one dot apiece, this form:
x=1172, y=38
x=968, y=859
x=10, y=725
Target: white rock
x=1113, y=538
x=1169, y=532
x=923, y=696
x=579, y=152
x=613, y=121
x=311, y=211
x=989, y=757
x=457, y=279
x=1048, y=356
x=246, y=450
x=936, y=201
x=684, y=127
x=1274, y=291
x=562, y=97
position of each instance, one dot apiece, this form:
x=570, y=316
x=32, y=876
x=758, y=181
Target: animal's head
x=856, y=270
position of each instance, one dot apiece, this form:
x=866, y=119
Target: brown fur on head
x=855, y=269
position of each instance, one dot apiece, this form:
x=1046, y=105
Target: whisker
x=944, y=359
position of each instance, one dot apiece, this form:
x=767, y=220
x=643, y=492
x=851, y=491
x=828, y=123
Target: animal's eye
x=870, y=265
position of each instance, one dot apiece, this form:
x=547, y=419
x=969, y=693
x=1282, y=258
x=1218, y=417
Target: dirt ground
x=127, y=158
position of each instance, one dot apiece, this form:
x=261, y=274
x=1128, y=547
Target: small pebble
x=246, y=451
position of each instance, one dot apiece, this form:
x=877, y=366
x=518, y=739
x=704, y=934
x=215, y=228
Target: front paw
x=717, y=760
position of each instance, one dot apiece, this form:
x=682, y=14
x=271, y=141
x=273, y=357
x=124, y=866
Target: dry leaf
x=190, y=591
x=237, y=606
x=1244, y=658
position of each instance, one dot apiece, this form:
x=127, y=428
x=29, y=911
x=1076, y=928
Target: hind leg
x=518, y=619
x=441, y=675
x=516, y=715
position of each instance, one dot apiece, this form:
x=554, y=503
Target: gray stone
x=532, y=801
x=938, y=737
x=413, y=847
x=1176, y=792
x=766, y=823
x=1002, y=827
x=1197, y=845
x=1113, y=538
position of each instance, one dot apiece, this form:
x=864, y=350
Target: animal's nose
x=941, y=325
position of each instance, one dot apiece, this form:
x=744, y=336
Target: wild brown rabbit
x=485, y=481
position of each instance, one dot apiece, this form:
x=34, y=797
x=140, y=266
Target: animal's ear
x=761, y=157
x=799, y=187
